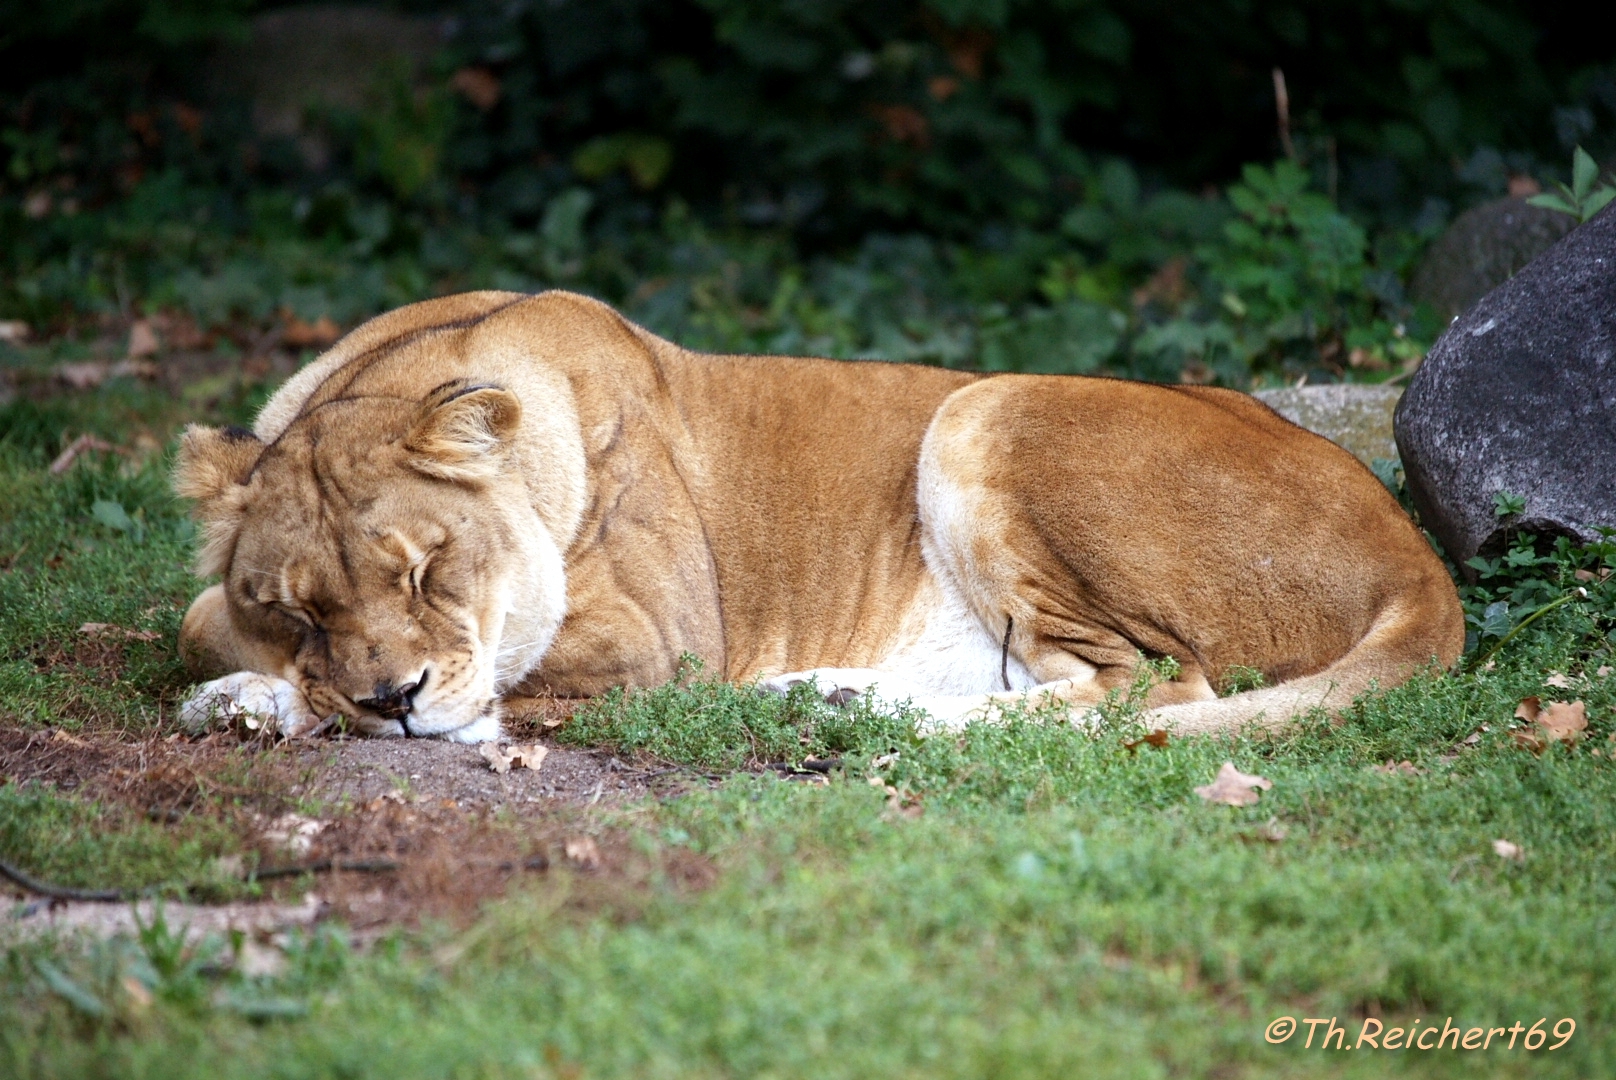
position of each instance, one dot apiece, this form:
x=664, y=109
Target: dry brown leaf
x=1559, y=679
x=142, y=340
x=1157, y=738
x=1564, y=721
x=1559, y=721
x=528, y=757
x=300, y=334
x=1604, y=671
x=140, y=998
x=583, y=851
x=479, y=86
x=1270, y=831
x=85, y=375
x=497, y=759
x=1233, y=787
x=910, y=810
x=1401, y=768
x=1507, y=850
x=521, y=757
x=295, y=832
x=135, y=369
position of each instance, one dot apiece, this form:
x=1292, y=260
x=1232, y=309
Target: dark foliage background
x=959, y=154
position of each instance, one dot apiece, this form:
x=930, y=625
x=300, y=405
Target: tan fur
x=517, y=493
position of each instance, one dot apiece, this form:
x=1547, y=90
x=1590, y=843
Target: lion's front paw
x=277, y=704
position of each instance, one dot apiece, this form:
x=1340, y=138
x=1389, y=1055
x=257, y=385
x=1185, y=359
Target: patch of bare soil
x=395, y=831
x=358, y=770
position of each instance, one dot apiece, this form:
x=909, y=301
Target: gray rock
x=1520, y=396
x=1358, y=418
x=1481, y=250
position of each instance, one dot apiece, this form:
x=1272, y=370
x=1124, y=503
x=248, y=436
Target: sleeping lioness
x=503, y=494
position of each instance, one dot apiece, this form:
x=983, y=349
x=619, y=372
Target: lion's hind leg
x=1075, y=699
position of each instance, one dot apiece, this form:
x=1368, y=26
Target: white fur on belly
x=951, y=653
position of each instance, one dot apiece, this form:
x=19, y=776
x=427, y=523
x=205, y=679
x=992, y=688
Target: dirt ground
x=436, y=830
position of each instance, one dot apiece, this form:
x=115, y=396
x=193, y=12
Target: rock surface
x=1520, y=396
x=1482, y=249
x=1357, y=418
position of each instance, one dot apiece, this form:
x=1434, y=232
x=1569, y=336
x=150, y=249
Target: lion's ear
x=212, y=469
x=462, y=432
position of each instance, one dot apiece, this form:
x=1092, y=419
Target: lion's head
x=382, y=543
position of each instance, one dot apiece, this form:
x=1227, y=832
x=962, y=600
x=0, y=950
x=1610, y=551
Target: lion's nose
x=392, y=702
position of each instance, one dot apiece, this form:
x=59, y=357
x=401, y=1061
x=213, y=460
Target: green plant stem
x=1482, y=658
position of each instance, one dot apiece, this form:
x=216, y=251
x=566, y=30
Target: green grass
x=1061, y=905
x=94, y=845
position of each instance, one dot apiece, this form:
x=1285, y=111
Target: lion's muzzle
x=392, y=702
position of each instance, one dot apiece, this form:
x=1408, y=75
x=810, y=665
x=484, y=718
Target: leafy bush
x=972, y=183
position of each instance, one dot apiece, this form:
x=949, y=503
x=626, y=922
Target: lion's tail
x=1406, y=639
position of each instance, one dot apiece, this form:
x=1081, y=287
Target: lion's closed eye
x=412, y=559
x=415, y=576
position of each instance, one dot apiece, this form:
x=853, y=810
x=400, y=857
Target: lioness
x=496, y=493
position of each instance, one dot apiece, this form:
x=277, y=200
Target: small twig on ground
x=63, y=892
x=686, y=769
x=324, y=866
x=1282, y=107
x=81, y=445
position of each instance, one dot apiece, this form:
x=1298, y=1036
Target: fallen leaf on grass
x=583, y=851
x=101, y=629
x=295, y=832
x=1559, y=679
x=1271, y=831
x=14, y=331
x=380, y=802
x=1604, y=671
x=903, y=804
x=1559, y=721
x=1157, y=738
x=300, y=334
x=1507, y=850
x=479, y=86
x=82, y=376
x=140, y=998
x=520, y=757
x=900, y=802
x=1233, y=787
x=1401, y=768
x=142, y=340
